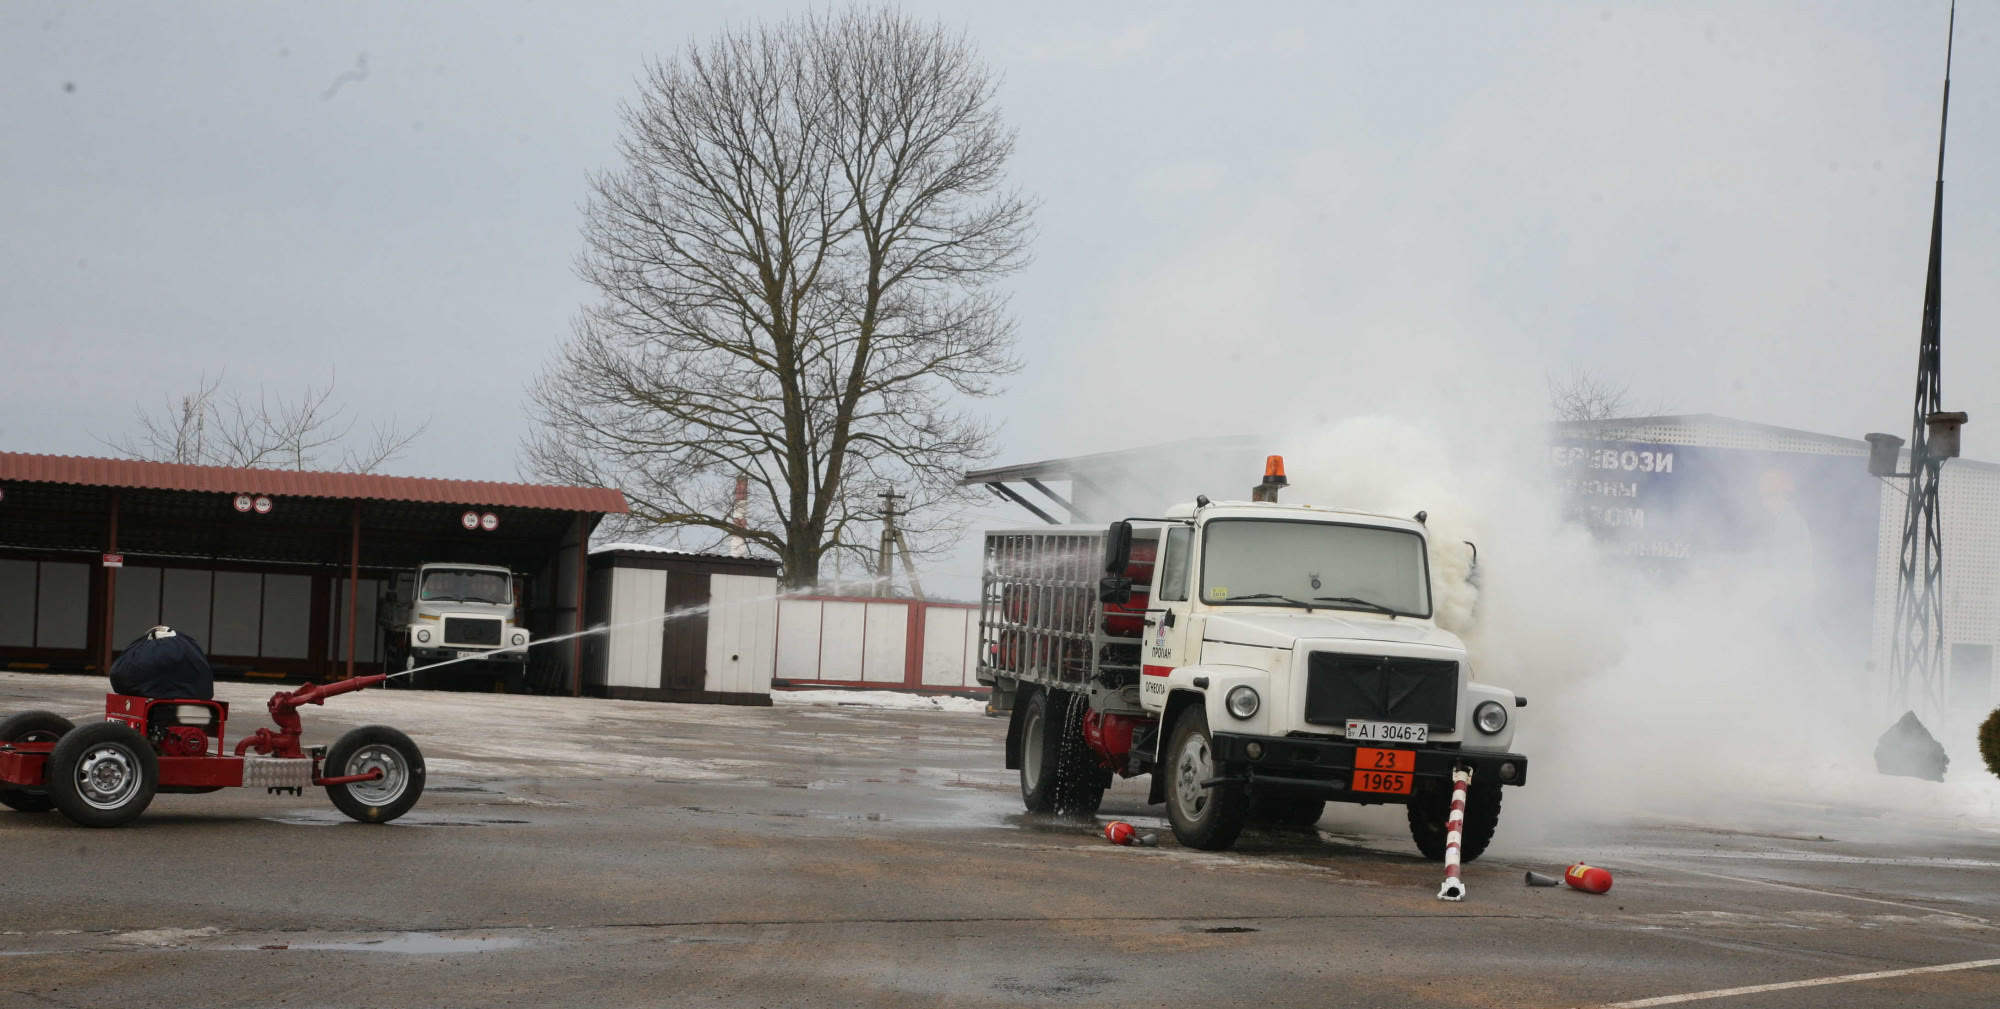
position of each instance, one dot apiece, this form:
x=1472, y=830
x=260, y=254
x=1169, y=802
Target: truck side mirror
x=1118, y=550
x=1114, y=589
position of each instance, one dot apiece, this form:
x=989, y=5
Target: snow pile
x=888, y=700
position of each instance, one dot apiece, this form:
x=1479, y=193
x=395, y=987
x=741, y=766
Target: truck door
x=1167, y=618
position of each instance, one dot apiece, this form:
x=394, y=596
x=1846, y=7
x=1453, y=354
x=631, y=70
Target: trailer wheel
x=1208, y=817
x=369, y=748
x=31, y=727
x=1057, y=773
x=103, y=774
x=1432, y=803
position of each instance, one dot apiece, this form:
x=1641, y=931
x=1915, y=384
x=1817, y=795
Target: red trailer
x=104, y=774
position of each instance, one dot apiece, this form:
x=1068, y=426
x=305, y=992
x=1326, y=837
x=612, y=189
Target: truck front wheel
x=1057, y=772
x=1206, y=816
x=1432, y=803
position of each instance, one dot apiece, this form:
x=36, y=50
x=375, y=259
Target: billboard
x=1807, y=522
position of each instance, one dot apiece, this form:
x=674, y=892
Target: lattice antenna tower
x=1916, y=657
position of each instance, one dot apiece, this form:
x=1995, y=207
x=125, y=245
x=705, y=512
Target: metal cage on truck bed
x=1040, y=620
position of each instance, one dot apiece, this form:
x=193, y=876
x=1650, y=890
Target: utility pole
x=1916, y=653
x=892, y=544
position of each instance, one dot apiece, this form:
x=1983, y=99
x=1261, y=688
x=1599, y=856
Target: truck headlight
x=520, y=639
x=1242, y=701
x=423, y=635
x=1491, y=717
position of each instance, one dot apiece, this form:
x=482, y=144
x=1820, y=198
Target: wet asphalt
x=600, y=853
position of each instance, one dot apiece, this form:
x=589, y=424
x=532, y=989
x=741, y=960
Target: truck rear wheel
x=1058, y=774
x=103, y=774
x=31, y=727
x=1432, y=803
x=1203, y=816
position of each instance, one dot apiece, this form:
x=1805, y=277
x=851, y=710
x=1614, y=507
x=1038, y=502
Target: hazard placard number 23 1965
x=1382, y=770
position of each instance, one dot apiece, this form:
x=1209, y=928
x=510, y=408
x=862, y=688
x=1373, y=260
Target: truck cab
x=1256, y=659
x=442, y=612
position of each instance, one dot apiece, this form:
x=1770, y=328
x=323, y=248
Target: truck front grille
x=480, y=631
x=1381, y=688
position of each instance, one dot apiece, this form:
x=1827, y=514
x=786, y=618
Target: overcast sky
x=1254, y=216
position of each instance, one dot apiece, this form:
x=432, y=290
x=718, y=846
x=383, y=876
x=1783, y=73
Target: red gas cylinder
x=1588, y=878
x=1127, y=619
x=1140, y=567
x=1120, y=832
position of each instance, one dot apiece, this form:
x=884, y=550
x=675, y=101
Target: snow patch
x=165, y=936
x=890, y=700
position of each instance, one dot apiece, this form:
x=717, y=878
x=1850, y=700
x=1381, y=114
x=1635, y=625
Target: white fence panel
x=798, y=638
x=944, y=646
x=842, y=632
x=888, y=642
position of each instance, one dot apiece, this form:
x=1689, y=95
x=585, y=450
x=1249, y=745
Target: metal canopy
x=1105, y=485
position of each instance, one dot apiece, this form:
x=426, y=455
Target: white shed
x=684, y=627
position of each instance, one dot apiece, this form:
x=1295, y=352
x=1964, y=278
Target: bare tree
x=1583, y=395
x=209, y=427
x=795, y=265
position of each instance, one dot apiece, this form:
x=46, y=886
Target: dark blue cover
x=164, y=667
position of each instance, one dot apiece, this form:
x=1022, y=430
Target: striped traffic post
x=1454, y=828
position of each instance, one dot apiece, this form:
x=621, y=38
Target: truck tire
x=1432, y=803
x=103, y=774
x=31, y=727
x=1206, y=817
x=1057, y=772
x=1286, y=810
x=367, y=748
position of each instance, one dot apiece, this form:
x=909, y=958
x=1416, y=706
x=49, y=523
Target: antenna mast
x=1916, y=661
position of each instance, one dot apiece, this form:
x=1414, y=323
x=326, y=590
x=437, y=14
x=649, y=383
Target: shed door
x=684, y=641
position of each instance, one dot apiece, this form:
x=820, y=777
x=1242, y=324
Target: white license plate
x=470, y=655
x=1388, y=732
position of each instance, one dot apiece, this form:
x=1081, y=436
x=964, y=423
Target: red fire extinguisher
x=1588, y=878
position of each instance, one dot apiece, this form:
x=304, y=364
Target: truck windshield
x=1276, y=562
x=448, y=585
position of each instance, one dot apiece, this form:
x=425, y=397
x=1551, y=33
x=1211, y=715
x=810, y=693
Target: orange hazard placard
x=1368, y=758
x=1381, y=770
x=1382, y=781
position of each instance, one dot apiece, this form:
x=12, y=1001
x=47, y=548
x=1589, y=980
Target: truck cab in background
x=1257, y=659
x=442, y=612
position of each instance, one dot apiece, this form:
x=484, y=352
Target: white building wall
x=632, y=653
x=742, y=632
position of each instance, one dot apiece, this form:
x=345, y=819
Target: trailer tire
x=1057, y=772
x=31, y=727
x=103, y=774
x=1287, y=810
x=1431, y=805
x=367, y=748
x=1209, y=818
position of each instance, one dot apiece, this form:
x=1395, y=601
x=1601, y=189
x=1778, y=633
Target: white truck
x=451, y=611
x=1257, y=659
